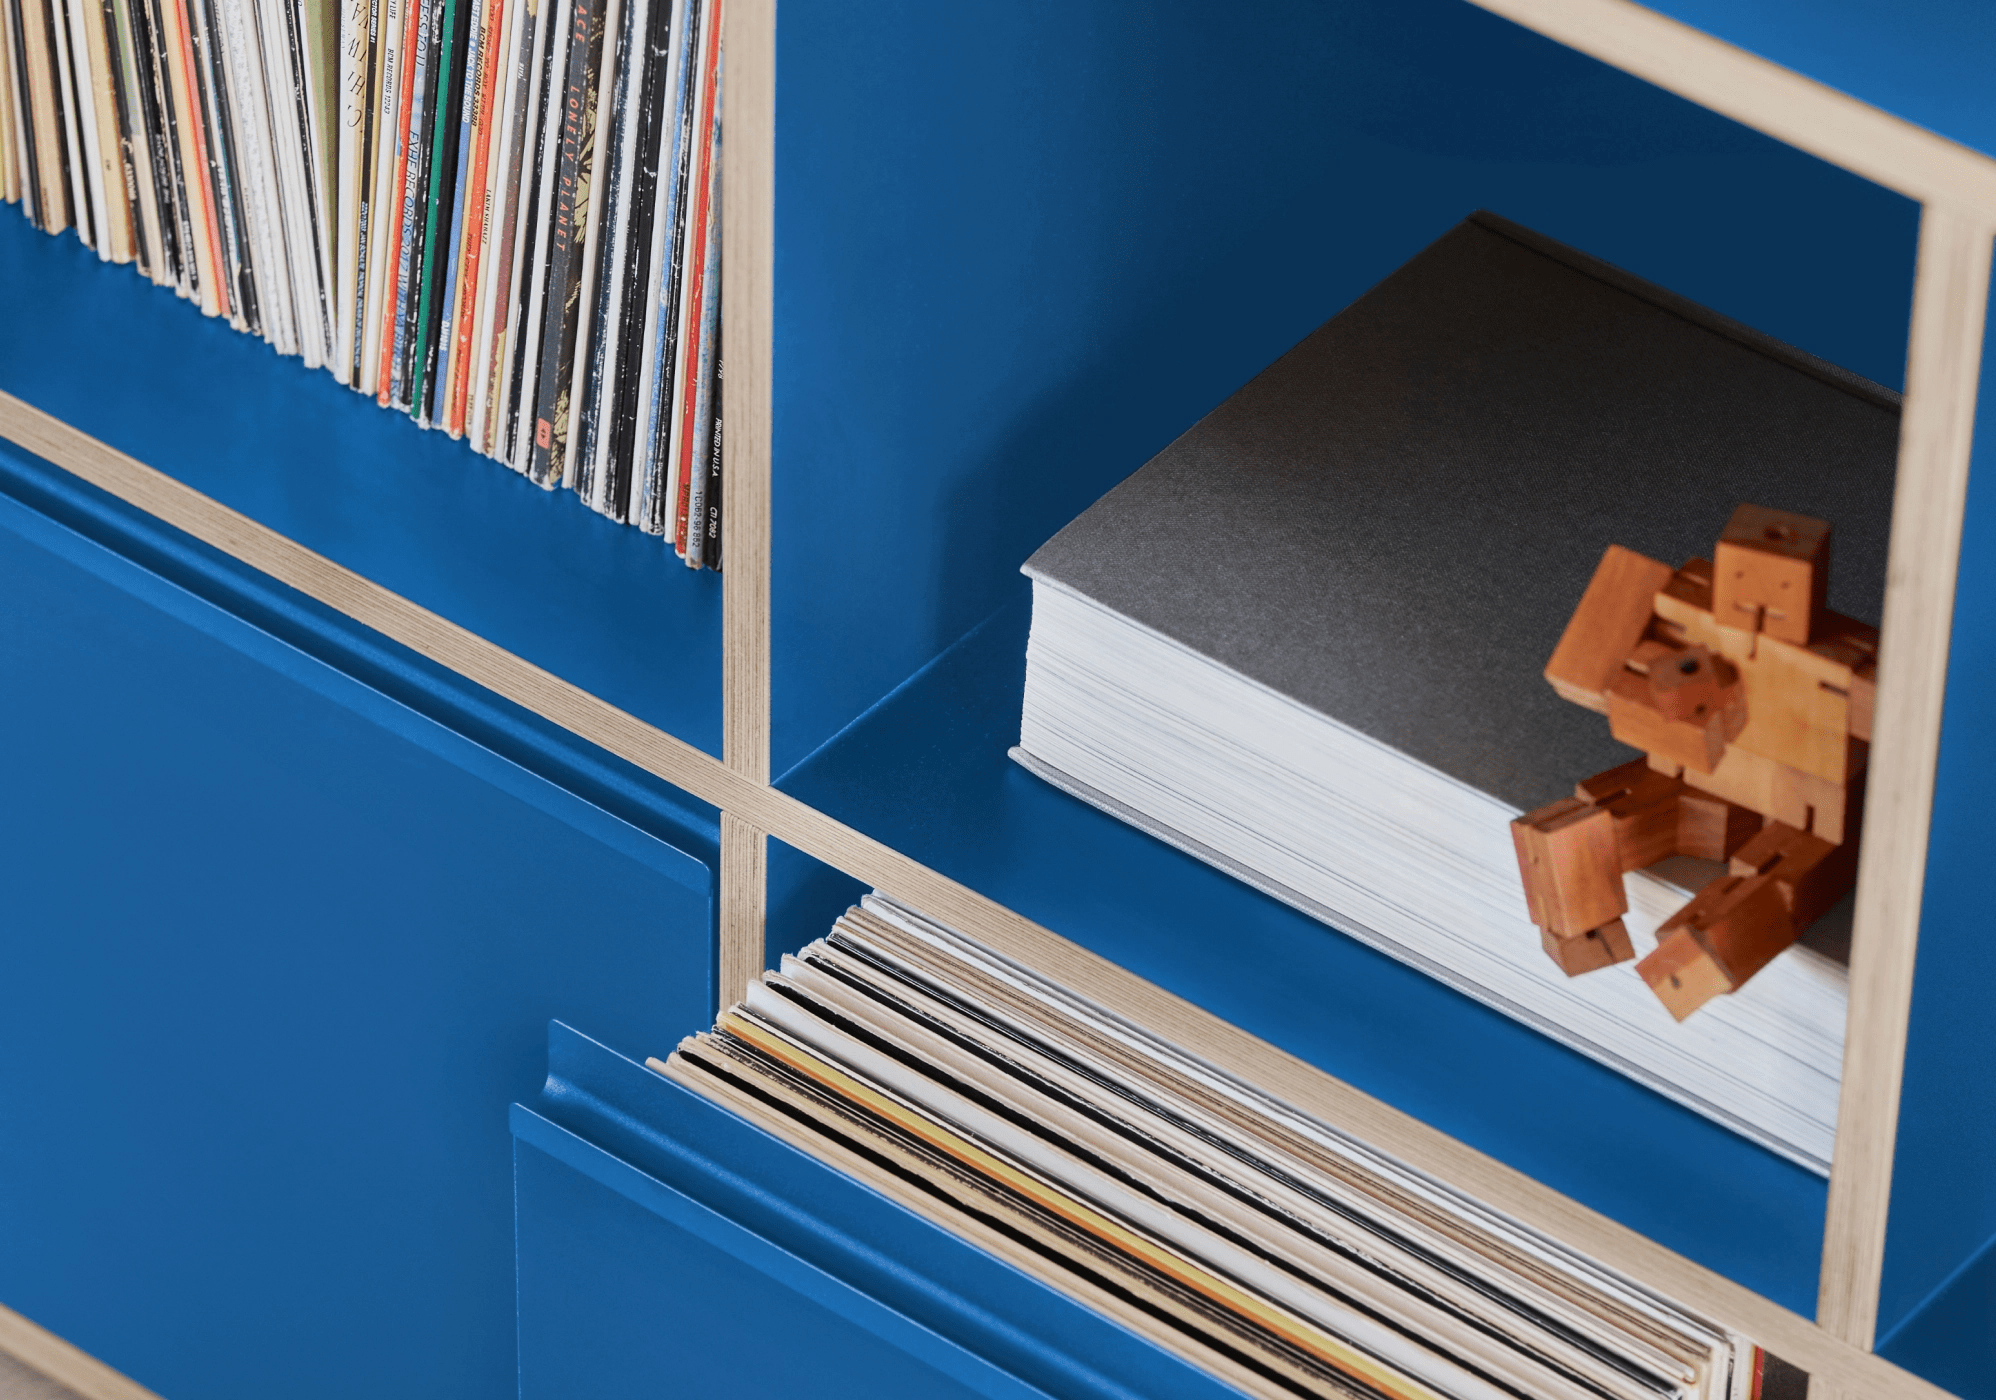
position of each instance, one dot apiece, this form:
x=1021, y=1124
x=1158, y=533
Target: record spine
x=107, y=134
x=75, y=155
x=571, y=213
x=496, y=235
x=502, y=319
x=653, y=434
x=135, y=142
x=636, y=269
x=686, y=387
x=474, y=218
x=611, y=231
x=442, y=193
x=525, y=389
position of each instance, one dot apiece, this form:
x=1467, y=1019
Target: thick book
x=1305, y=641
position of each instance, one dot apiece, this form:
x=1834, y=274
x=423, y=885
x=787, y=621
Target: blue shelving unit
x=286, y=906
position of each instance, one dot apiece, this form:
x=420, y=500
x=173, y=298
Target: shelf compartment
x=926, y=772
x=1008, y=271
x=601, y=605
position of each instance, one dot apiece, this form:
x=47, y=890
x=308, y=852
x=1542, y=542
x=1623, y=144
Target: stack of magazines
x=1209, y=1217
x=499, y=216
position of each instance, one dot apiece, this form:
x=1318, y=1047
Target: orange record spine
x=472, y=234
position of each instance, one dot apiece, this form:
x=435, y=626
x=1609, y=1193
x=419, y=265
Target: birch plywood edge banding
x=1778, y=101
x=41, y=1350
x=1944, y=356
x=744, y=893
x=748, y=244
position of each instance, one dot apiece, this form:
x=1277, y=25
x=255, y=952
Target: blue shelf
x=926, y=772
x=1927, y=61
x=601, y=605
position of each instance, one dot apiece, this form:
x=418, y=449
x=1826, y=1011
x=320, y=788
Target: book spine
x=571, y=212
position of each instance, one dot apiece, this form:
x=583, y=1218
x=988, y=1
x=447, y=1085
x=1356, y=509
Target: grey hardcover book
x=1305, y=641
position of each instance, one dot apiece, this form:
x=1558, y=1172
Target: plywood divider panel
x=1944, y=359
x=1809, y=115
x=43, y=1351
x=748, y=244
x=765, y=809
x=744, y=897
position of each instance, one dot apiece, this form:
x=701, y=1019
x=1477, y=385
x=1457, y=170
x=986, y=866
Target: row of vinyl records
x=1219, y=1222
x=499, y=216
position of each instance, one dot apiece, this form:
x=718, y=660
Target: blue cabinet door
x=277, y=948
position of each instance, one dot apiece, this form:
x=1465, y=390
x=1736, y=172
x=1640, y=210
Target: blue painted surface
x=1928, y=61
x=926, y=772
x=616, y=1301
x=280, y=947
x=1944, y=1166
x=1951, y=1337
x=1021, y=246
x=814, y=1231
x=804, y=897
x=606, y=607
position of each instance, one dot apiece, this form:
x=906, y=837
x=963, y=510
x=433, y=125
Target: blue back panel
x=1928, y=61
x=1021, y=246
x=1949, y=1338
x=804, y=897
x=893, y=1277
x=1944, y=1167
x=278, y=948
x=926, y=772
x=602, y=605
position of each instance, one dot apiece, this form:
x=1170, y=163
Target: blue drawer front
x=865, y=1277
x=276, y=951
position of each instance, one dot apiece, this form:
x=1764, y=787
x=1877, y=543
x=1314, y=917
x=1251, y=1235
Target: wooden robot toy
x=1752, y=702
